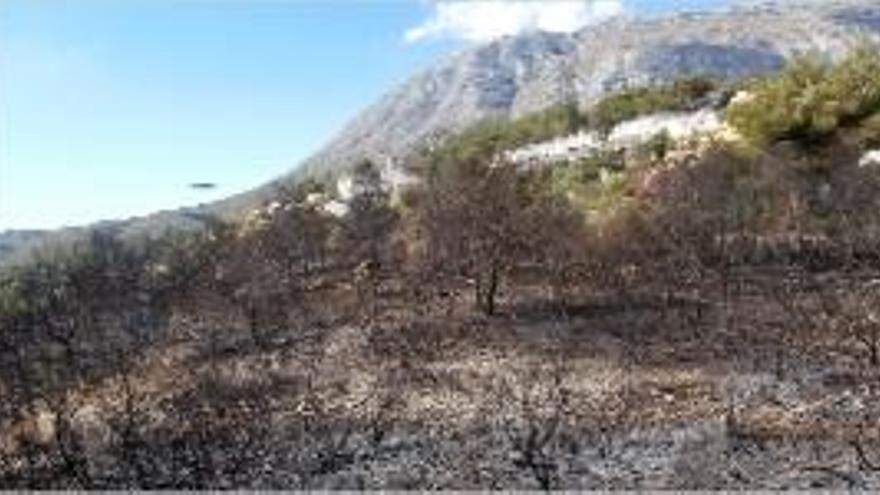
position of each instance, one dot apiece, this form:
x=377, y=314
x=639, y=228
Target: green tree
x=810, y=99
x=631, y=103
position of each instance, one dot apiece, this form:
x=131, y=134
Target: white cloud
x=483, y=20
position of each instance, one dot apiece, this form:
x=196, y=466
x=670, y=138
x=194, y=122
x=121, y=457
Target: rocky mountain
x=517, y=75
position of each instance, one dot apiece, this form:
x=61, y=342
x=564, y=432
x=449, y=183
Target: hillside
x=681, y=303
x=519, y=75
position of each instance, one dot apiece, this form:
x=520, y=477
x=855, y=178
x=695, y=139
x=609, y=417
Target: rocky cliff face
x=518, y=75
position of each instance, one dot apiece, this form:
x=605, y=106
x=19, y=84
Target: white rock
x=345, y=187
x=45, y=426
x=273, y=207
x=870, y=159
x=394, y=178
x=157, y=269
x=741, y=97
x=625, y=135
x=336, y=208
x=316, y=198
x=676, y=125
x=560, y=149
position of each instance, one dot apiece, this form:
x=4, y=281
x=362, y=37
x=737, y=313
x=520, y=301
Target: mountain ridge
x=517, y=75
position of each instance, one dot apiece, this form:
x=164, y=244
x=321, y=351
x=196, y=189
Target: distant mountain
x=17, y=245
x=518, y=75
x=15, y=241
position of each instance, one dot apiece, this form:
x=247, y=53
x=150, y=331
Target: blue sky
x=110, y=108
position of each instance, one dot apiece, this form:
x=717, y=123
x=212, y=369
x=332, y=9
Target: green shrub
x=854, y=85
x=580, y=175
x=869, y=131
x=12, y=298
x=555, y=121
x=809, y=100
x=485, y=140
x=658, y=146
x=632, y=103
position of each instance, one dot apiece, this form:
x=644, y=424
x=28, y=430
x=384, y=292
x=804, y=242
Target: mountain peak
x=516, y=75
